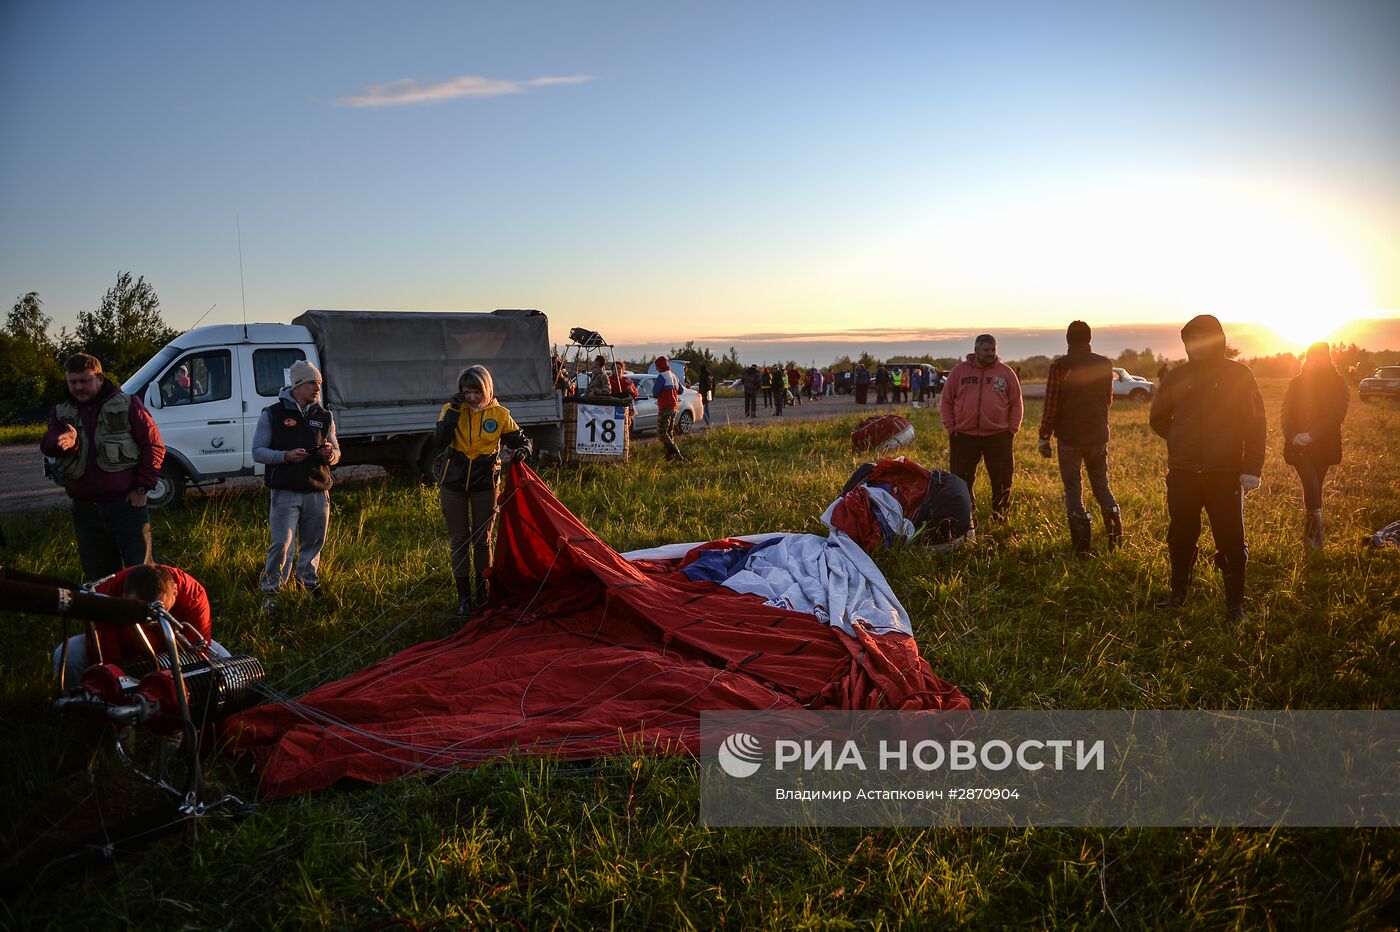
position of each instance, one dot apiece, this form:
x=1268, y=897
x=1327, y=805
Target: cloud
x=410, y=91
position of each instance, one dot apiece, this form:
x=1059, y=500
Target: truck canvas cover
x=414, y=357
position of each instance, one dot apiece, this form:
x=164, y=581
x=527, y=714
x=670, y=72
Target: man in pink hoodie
x=981, y=409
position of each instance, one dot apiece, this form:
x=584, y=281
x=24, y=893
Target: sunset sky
x=672, y=171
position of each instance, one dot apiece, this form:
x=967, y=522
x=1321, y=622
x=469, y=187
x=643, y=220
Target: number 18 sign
x=601, y=429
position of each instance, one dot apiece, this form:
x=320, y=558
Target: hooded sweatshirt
x=981, y=401
x=1209, y=410
x=666, y=388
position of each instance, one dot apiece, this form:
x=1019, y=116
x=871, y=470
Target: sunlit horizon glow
x=688, y=170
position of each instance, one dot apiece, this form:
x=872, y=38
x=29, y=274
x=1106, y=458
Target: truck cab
x=206, y=389
x=387, y=375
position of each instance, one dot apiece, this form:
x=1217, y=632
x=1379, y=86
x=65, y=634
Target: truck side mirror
x=153, y=395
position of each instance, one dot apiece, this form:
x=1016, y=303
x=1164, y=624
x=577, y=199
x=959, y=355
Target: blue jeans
x=1095, y=460
x=111, y=535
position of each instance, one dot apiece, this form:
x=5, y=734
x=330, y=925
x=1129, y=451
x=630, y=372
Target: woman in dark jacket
x=1313, y=410
x=471, y=430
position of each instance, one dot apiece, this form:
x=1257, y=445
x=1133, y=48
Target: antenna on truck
x=239, y=221
x=202, y=316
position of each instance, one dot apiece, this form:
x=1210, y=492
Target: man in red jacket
x=108, y=452
x=666, y=389
x=177, y=591
x=982, y=409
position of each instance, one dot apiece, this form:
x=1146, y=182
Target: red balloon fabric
x=578, y=653
x=882, y=432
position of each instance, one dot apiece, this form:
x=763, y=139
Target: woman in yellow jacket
x=471, y=430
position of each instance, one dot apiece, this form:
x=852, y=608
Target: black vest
x=1081, y=419
x=292, y=430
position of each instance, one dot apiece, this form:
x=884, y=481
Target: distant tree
x=1033, y=367
x=27, y=321
x=1144, y=363
x=30, y=379
x=1279, y=365
x=126, y=329
x=868, y=361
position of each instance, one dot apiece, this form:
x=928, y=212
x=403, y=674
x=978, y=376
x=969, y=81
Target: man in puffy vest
x=1078, y=393
x=1211, y=414
x=108, y=452
x=295, y=440
x=982, y=409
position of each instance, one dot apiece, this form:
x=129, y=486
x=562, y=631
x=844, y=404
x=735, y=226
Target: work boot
x=1313, y=530
x=1234, y=597
x=1113, y=526
x=1081, y=533
x=1183, y=565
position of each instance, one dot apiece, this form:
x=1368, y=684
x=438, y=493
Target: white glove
x=1249, y=483
x=1302, y=440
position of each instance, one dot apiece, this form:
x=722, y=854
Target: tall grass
x=21, y=433
x=1016, y=621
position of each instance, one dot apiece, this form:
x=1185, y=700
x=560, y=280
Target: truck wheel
x=170, y=488
x=1138, y=394
x=685, y=423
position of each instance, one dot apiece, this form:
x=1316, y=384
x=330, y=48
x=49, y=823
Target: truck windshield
x=137, y=383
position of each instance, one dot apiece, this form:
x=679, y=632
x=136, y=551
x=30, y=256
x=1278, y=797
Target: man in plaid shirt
x=1078, y=393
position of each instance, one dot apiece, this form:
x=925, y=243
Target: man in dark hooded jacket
x=1212, y=417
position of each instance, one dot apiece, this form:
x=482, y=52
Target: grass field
x=1014, y=620
x=21, y=433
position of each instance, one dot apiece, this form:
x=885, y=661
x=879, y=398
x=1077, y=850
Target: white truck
x=386, y=375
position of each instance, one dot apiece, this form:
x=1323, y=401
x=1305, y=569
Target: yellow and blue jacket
x=471, y=441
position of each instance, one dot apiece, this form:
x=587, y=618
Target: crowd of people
x=108, y=454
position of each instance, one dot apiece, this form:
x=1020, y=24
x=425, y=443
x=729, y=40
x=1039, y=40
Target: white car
x=1127, y=385
x=690, y=409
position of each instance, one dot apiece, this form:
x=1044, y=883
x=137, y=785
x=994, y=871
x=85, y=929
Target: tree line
x=124, y=331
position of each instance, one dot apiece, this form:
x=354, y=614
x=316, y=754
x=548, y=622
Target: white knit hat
x=303, y=372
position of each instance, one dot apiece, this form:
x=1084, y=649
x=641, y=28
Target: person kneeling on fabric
x=471, y=429
x=183, y=598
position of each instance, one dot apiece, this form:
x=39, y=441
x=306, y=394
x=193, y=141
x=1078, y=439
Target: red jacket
x=96, y=484
x=666, y=388
x=980, y=402
x=191, y=607
x=621, y=386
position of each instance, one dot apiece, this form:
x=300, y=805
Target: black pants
x=965, y=451
x=779, y=395
x=111, y=536
x=862, y=393
x=750, y=404
x=768, y=396
x=1219, y=494
x=1095, y=460
x=1312, y=476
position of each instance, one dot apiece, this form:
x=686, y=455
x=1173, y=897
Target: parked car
x=690, y=408
x=1384, y=384
x=1127, y=385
